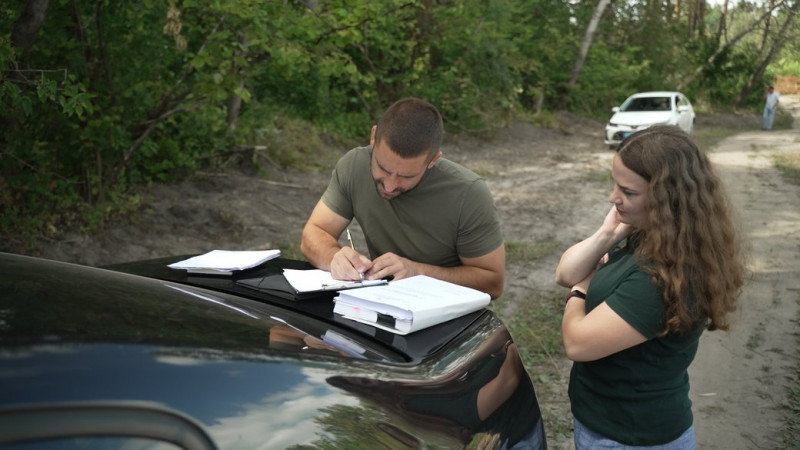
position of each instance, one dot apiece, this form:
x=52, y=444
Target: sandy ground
x=549, y=186
x=738, y=379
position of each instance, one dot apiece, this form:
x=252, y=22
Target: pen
x=350, y=240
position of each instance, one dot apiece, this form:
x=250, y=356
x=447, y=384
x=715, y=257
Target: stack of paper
x=225, y=262
x=410, y=304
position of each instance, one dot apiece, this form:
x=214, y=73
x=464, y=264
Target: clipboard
x=277, y=285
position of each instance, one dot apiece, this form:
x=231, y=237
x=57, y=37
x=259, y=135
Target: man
x=771, y=103
x=421, y=214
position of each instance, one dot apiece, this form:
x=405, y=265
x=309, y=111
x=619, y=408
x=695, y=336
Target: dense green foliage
x=110, y=95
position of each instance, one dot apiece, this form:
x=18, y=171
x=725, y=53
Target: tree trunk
x=587, y=41
x=722, y=28
x=767, y=30
x=696, y=19
x=234, y=107
x=27, y=25
x=234, y=103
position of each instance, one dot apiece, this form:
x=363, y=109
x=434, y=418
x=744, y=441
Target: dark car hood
x=73, y=336
x=413, y=348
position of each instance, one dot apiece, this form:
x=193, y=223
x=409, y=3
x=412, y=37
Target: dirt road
x=738, y=380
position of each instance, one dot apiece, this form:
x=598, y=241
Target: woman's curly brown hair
x=689, y=243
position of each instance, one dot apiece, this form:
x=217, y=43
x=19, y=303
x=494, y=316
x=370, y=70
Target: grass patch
x=543, y=119
x=518, y=252
x=789, y=166
x=534, y=320
x=291, y=250
x=535, y=324
x=599, y=176
x=536, y=327
x=783, y=119
x=790, y=432
x=22, y=231
x=709, y=136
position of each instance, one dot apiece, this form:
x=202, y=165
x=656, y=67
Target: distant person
x=663, y=266
x=771, y=100
x=421, y=214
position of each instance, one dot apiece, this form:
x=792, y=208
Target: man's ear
x=372, y=136
x=435, y=158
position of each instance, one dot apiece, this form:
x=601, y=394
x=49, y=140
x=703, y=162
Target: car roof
x=656, y=94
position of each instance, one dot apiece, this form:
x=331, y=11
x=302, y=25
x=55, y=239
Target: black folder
x=277, y=285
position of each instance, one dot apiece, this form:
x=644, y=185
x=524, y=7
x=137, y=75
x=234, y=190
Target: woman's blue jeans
x=589, y=440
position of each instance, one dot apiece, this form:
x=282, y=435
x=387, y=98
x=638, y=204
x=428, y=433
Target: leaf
x=243, y=93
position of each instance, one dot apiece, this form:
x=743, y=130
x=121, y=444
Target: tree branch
x=710, y=61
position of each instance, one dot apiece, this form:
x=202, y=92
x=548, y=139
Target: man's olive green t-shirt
x=449, y=214
x=640, y=395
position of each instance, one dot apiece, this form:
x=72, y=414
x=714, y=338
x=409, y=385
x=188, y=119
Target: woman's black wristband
x=574, y=293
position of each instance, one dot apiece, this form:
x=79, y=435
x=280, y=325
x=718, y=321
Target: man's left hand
x=390, y=264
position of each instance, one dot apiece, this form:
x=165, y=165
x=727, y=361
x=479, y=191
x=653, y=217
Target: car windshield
x=646, y=104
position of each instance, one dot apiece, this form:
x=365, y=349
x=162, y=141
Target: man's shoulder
x=353, y=157
x=453, y=168
x=452, y=180
x=357, y=152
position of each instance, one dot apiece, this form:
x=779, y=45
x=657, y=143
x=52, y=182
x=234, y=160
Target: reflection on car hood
x=640, y=117
x=243, y=400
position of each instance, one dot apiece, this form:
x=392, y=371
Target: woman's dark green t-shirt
x=639, y=396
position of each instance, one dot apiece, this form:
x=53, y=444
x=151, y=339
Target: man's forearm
x=318, y=247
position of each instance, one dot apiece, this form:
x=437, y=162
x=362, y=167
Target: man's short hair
x=411, y=127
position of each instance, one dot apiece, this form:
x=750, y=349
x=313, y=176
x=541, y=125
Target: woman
x=663, y=266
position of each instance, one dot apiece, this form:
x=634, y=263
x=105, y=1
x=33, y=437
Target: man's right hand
x=348, y=264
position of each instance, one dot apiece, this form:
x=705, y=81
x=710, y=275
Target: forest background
x=97, y=97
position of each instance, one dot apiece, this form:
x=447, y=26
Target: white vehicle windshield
x=646, y=104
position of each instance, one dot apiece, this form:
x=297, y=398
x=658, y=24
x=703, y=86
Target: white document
x=223, y=262
x=321, y=280
x=410, y=304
